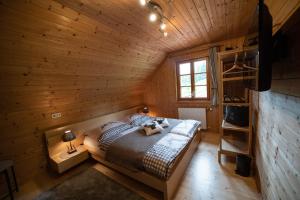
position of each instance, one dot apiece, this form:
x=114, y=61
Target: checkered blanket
x=160, y=158
x=112, y=134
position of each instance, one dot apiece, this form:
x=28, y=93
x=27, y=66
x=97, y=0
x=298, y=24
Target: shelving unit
x=228, y=126
x=240, y=78
x=236, y=139
x=232, y=147
x=235, y=104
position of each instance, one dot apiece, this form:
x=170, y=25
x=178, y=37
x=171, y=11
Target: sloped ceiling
x=195, y=21
x=121, y=29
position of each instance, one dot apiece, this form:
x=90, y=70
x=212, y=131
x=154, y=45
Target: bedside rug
x=90, y=184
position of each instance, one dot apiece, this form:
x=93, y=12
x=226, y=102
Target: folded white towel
x=184, y=128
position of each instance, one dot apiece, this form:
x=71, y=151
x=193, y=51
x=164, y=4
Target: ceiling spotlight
x=163, y=26
x=143, y=2
x=153, y=17
x=156, y=14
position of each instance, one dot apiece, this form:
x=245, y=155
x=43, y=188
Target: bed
x=165, y=181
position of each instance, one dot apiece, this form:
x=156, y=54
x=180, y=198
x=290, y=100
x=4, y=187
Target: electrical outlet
x=56, y=115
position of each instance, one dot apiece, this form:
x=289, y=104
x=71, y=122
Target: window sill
x=195, y=102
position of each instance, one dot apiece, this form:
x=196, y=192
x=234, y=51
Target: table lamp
x=146, y=110
x=68, y=136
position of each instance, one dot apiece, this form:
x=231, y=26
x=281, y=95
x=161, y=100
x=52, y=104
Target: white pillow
x=152, y=128
x=163, y=122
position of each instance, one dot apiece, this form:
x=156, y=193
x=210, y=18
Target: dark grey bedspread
x=129, y=150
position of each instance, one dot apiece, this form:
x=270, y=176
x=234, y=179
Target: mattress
x=135, y=151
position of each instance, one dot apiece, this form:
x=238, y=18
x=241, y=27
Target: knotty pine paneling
x=55, y=59
x=87, y=58
x=286, y=70
x=160, y=93
x=198, y=21
x=281, y=11
x=277, y=124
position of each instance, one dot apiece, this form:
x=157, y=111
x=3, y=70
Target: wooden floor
x=204, y=179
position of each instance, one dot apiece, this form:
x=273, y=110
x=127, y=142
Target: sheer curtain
x=212, y=60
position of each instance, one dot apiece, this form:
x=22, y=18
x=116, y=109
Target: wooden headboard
x=54, y=136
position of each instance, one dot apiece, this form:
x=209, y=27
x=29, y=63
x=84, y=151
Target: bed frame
x=168, y=187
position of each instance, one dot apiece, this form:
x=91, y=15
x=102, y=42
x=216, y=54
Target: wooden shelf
x=240, y=139
x=235, y=104
x=231, y=146
x=228, y=126
x=229, y=54
x=239, y=78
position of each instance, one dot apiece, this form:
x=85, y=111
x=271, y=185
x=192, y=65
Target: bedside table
x=64, y=161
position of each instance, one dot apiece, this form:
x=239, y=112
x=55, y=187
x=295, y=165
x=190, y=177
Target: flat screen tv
x=261, y=31
x=265, y=47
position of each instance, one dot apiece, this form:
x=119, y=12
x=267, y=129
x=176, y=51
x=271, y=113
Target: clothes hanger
x=246, y=66
x=236, y=66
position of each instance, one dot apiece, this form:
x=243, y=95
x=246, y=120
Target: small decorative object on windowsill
x=146, y=110
x=68, y=137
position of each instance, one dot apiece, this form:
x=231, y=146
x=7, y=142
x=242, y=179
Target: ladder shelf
x=231, y=85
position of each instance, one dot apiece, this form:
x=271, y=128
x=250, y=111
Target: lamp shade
x=145, y=110
x=68, y=136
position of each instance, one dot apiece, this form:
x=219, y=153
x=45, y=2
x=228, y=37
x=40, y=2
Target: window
x=192, y=82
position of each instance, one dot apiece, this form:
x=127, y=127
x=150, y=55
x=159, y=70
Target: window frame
x=193, y=86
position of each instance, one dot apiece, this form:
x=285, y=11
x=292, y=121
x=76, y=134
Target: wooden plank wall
x=54, y=60
x=81, y=58
x=277, y=141
x=286, y=71
x=278, y=145
x=160, y=93
x=84, y=59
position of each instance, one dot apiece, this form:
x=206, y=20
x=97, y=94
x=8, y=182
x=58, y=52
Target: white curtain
x=212, y=59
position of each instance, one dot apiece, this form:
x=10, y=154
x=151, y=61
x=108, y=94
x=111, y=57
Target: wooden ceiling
x=281, y=10
x=198, y=21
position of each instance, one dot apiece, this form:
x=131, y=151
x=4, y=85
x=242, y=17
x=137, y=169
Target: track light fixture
x=163, y=26
x=153, y=17
x=156, y=14
x=144, y=2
